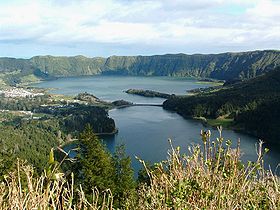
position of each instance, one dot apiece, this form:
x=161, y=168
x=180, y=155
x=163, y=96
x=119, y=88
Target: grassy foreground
x=211, y=176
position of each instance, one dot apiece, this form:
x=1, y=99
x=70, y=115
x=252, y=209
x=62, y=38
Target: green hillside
x=68, y=66
x=224, y=66
x=218, y=66
x=253, y=105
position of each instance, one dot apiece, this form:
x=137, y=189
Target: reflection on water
x=112, y=87
x=145, y=130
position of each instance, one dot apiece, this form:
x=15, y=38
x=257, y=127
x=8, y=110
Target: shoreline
x=115, y=131
x=204, y=121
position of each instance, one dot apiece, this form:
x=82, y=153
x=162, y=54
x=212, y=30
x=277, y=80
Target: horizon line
x=139, y=55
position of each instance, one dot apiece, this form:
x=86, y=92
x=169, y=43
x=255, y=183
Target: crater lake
x=145, y=130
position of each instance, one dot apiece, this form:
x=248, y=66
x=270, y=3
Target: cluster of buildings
x=18, y=93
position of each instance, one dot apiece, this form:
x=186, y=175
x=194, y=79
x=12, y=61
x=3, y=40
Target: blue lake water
x=112, y=88
x=145, y=130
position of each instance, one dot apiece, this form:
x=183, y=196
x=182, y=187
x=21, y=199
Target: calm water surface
x=112, y=88
x=145, y=130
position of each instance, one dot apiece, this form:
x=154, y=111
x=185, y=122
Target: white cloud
x=266, y=8
x=177, y=23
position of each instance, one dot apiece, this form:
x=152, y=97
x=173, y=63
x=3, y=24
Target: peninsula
x=148, y=93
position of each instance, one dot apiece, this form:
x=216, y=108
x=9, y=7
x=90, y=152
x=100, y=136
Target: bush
x=210, y=178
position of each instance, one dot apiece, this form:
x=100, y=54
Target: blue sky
x=136, y=27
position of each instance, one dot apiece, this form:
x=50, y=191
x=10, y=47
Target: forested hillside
x=253, y=105
x=68, y=66
x=219, y=66
x=31, y=126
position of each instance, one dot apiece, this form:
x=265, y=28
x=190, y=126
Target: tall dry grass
x=211, y=177
x=21, y=190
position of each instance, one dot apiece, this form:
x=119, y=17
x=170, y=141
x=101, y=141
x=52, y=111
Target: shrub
x=210, y=178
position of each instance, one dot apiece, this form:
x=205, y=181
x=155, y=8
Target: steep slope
x=68, y=66
x=13, y=64
x=219, y=66
x=253, y=104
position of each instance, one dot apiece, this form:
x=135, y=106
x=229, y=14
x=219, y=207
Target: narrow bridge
x=146, y=104
x=140, y=104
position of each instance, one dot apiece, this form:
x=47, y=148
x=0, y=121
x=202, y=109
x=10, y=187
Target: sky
x=136, y=27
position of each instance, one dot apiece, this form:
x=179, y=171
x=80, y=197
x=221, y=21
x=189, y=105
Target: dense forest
x=27, y=140
x=252, y=104
x=223, y=66
x=75, y=117
x=34, y=132
x=31, y=126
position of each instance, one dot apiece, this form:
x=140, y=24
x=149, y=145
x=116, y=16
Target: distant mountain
x=219, y=66
x=254, y=105
x=14, y=64
x=68, y=66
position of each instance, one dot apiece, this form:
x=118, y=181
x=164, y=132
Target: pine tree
x=96, y=167
x=125, y=184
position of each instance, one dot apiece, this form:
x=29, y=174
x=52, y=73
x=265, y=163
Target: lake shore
x=139, y=126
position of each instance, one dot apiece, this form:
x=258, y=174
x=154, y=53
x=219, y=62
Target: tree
x=96, y=167
x=125, y=184
x=95, y=163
